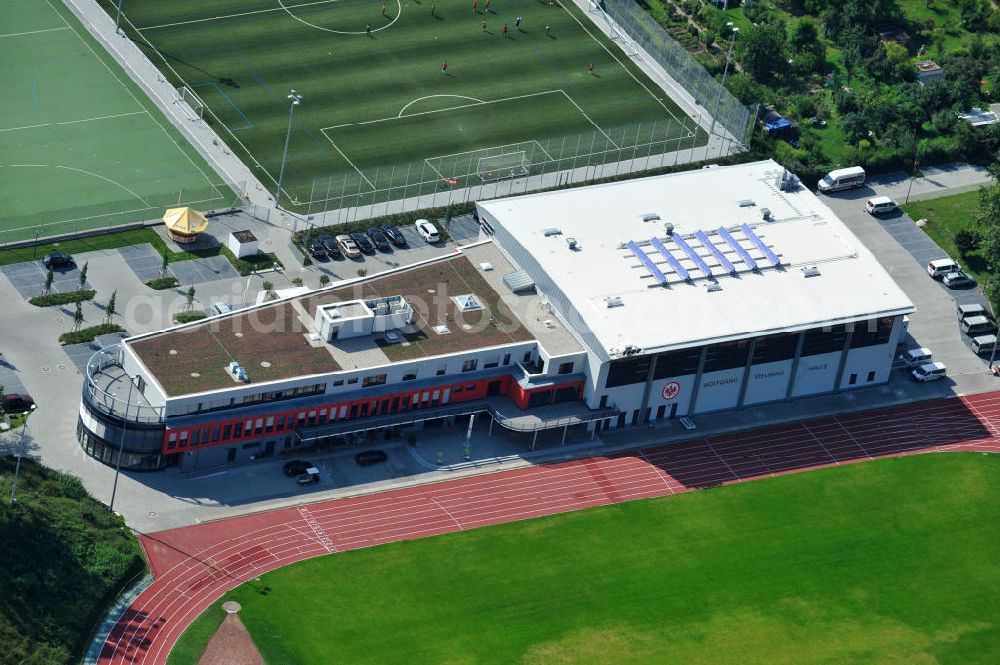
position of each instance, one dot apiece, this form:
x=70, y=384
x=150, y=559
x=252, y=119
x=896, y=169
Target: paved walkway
x=194, y=566
x=935, y=182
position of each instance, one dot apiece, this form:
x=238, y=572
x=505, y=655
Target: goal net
x=505, y=165
x=192, y=100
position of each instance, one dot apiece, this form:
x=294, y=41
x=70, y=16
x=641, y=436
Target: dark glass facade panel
x=677, y=363
x=773, y=348
x=727, y=355
x=626, y=371
x=824, y=340
x=872, y=332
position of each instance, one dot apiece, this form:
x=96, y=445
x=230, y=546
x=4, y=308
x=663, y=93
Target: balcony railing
x=103, y=370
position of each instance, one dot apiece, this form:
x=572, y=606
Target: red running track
x=194, y=566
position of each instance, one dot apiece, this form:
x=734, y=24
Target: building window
x=351, y=380
x=237, y=430
x=281, y=423
x=726, y=355
x=258, y=426
x=627, y=371
x=872, y=332
x=470, y=365
x=491, y=364
x=824, y=340
x=506, y=359
x=677, y=363
x=456, y=389
x=442, y=370
x=852, y=380
x=470, y=386
x=871, y=376
x=374, y=380
x=227, y=431
x=184, y=440
x=527, y=357
x=195, y=437
x=565, y=368
x=215, y=433
x=338, y=382
x=409, y=377
x=269, y=425
x=773, y=348
x=172, y=441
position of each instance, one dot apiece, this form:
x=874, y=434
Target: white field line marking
x=596, y=126
x=353, y=166
x=91, y=173
x=73, y=122
x=236, y=15
x=627, y=70
x=455, y=108
x=399, y=12
x=492, y=147
x=420, y=99
x=544, y=151
x=33, y=32
x=134, y=98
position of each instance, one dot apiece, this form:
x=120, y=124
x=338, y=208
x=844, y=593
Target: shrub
x=967, y=241
x=53, y=299
x=163, y=283
x=188, y=317
x=89, y=334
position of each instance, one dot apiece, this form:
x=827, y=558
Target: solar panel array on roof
x=744, y=254
x=726, y=264
x=698, y=261
x=771, y=256
x=653, y=269
x=671, y=259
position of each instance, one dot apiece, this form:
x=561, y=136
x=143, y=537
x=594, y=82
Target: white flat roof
x=848, y=283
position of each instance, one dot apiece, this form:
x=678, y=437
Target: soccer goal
x=505, y=165
x=192, y=100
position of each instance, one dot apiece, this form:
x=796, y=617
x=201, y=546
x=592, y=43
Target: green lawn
x=81, y=147
x=379, y=111
x=947, y=20
x=945, y=217
x=893, y=561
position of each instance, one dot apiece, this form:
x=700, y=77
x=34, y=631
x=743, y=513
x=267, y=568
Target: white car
x=930, y=372
x=348, y=246
x=938, y=268
x=427, y=231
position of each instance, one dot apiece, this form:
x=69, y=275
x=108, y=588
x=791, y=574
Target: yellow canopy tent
x=185, y=224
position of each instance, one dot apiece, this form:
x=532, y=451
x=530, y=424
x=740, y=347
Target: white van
x=971, y=309
x=834, y=181
x=978, y=325
x=930, y=372
x=984, y=344
x=916, y=357
x=938, y=268
x=880, y=205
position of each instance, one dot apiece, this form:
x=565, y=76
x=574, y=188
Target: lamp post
x=912, y=178
x=19, y=454
x=118, y=18
x=121, y=446
x=725, y=73
x=294, y=98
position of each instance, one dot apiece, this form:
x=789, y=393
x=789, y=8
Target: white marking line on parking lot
x=33, y=32
x=73, y=122
x=448, y=513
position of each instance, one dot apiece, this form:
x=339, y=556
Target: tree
x=190, y=297
x=49, y=277
x=163, y=265
x=78, y=317
x=762, y=50
x=83, y=275
x=324, y=280
x=109, y=311
x=987, y=220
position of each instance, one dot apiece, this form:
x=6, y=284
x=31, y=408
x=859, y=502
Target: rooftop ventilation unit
x=811, y=271
x=650, y=217
x=668, y=228
x=467, y=303
x=614, y=301
x=551, y=232
x=571, y=243
x=519, y=282
x=746, y=203
x=788, y=182
x=765, y=214
x=713, y=286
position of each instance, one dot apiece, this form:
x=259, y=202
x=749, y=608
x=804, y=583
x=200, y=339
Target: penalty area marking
x=395, y=18
x=85, y=172
x=420, y=99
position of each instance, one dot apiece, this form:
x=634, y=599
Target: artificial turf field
x=80, y=145
x=379, y=110
x=894, y=561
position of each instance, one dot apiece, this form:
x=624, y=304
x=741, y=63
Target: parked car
x=363, y=243
x=394, y=235
x=309, y=477
x=370, y=457
x=332, y=249
x=958, y=279
x=348, y=247
x=296, y=467
x=317, y=250
x=376, y=236
x=880, y=205
x=58, y=260
x=938, y=268
x=930, y=372
x=17, y=402
x=427, y=231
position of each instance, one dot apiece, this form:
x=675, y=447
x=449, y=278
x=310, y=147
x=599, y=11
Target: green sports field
x=895, y=561
x=80, y=146
x=381, y=110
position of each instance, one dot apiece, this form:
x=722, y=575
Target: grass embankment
x=946, y=217
x=892, y=561
x=65, y=557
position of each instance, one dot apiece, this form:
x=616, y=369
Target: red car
x=16, y=402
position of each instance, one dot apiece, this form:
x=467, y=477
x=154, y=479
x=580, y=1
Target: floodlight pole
x=294, y=98
x=725, y=73
x=118, y=18
x=121, y=446
x=20, y=453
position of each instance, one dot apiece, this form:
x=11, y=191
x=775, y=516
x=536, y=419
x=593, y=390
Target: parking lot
x=143, y=260
x=904, y=251
x=28, y=278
